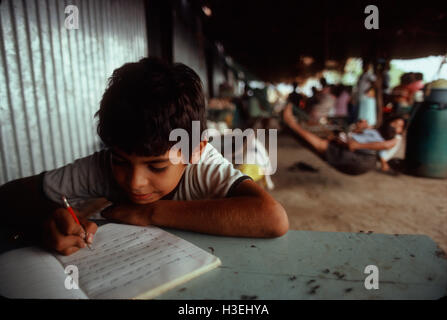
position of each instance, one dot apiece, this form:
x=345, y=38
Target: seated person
x=387, y=155
x=140, y=172
x=354, y=154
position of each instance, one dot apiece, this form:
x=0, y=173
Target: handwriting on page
x=123, y=260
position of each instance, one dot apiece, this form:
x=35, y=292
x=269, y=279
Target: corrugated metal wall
x=52, y=78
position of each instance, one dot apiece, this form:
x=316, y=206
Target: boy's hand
x=353, y=145
x=136, y=214
x=341, y=142
x=63, y=234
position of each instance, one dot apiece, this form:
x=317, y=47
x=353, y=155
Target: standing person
x=324, y=105
x=366, y=80
x=404, y=94
x=365, y=99
x=367, y=107
x=416, y=84
x=343, y=98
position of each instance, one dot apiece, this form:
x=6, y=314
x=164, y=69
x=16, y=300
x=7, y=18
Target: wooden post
x=378, y=70
x=379, y=96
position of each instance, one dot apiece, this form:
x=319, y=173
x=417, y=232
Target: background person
x=353, y=155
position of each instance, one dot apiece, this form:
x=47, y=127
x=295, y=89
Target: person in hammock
x=357, y=152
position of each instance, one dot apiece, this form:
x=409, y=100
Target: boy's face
x=145, y=179
x=398, y=125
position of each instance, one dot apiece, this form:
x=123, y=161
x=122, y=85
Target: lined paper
x=127, y=262
x=130, y=261
x=33, y=273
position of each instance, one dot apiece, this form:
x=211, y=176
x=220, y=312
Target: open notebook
x=127, y=262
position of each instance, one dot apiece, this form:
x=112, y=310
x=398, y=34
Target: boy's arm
x=23, y=202
x=29, y=213
x=383, y=145
x=249, y=212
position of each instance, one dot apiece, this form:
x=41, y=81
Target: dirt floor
x=328, y=200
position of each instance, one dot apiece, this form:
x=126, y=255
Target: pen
x=69, y=208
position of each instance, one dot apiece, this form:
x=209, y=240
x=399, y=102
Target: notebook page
x=129, y=261
x=33, y=273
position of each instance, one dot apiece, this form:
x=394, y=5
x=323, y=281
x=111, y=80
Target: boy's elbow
x=278, y=222
x=389, y=144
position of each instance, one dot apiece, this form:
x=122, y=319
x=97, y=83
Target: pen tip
x=64, y=199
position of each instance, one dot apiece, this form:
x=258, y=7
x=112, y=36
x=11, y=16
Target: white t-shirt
x=388, y=154
x=91, y=177
x=211, y=178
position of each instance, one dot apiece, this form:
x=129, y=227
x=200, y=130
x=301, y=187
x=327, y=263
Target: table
x=314, y=265
x=317, y=265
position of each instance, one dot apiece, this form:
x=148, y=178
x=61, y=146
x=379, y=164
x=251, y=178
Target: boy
x=143, y=103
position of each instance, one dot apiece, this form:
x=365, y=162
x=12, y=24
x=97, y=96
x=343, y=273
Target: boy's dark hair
x=145, y=101
x=386, y=130
x=407, y=78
